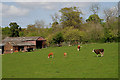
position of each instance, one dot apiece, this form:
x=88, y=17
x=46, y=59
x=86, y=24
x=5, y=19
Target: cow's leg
x=101, y=54
x=48, y=57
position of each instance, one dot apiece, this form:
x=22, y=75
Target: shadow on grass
x=98, y=56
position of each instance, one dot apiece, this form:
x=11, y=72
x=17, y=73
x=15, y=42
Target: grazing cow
x=99, y=51
x=65, y=54
x=50, y=54
x=78, y=47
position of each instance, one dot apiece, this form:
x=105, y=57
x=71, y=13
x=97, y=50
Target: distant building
x=16, y=44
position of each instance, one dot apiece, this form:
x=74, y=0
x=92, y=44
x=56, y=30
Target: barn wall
x=8, y=48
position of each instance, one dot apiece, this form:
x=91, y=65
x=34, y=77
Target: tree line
x=70, y=27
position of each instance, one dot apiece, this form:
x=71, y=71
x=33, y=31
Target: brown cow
x=50, y=54
x=65, y=54
x=99, y=51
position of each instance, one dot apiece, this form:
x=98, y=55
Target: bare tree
x=111, y=13
x=39, y=24
x=95, y=8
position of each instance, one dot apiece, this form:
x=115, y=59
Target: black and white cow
x=99, y=51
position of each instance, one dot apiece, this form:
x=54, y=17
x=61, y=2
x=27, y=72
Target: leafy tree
x=94, y=32
x=56, y=27
x=111, y=31
x=58, y=38
x=14, y=28
x=73, y=35
x=108, y=35
x=55, y=17
x=71, y=17
x=20, y=29
x=54, y=24
x=6, y=32
x=23, y=32
x=31, y=28
x=94, y=18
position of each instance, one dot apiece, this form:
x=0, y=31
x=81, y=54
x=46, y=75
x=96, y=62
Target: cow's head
x=93, y=50
x=48, y=57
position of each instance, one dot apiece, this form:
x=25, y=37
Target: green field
x=77, y=64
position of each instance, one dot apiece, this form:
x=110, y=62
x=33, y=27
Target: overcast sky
x=25, y=13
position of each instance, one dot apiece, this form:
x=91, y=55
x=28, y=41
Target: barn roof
x=1, y=44
x=20, y=40
x=21, y=43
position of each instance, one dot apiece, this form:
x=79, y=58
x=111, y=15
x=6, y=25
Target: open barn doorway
x=2, y=49
x=39, y=44
x=21, y=48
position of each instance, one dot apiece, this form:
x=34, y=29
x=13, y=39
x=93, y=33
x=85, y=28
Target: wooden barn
x=16, y=44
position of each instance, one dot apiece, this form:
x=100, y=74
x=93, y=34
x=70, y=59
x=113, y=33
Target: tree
x=31, y=28
x=23, y=32
x=111, y=25
x=6, y=32
x=55, y=17
x=58, y=38
x=20, y=29
x=94, y=8
x=94, y=32
x=111, y=31
x=14, y=28
x=111, y=13
x=94, y=18
x=39, y=24
x=54, y=24
x=73, y=35
x=71, y=17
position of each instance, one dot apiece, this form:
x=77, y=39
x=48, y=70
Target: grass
x=77, y=64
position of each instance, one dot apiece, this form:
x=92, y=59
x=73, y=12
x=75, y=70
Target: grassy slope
x=77, y=64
